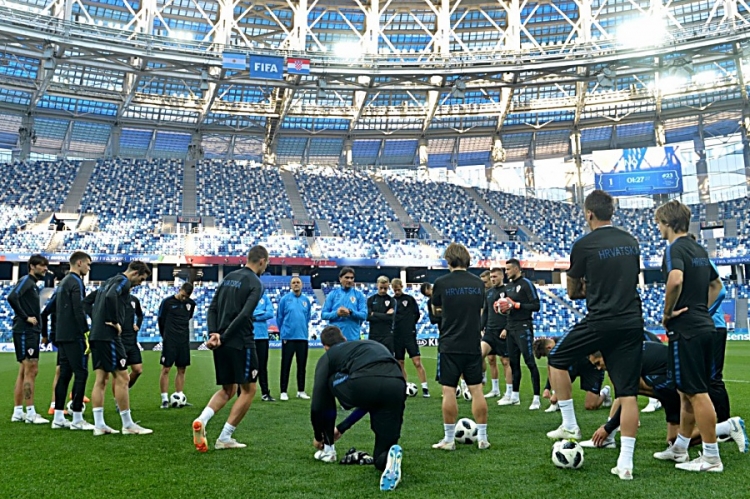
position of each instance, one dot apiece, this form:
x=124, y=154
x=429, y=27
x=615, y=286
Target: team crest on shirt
x=255, y=373
x=518, y=288
x=163, y=359
x=122, y=362
x=188, y=306
x=404, y=303
x=305, y=303
x=352, y=299
x=30, y=351
x=132, y=303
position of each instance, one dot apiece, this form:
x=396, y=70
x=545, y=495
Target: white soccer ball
x=177, y=400
x=567, y=454
x=466, y=431
x=411, y=390
x=70, y=407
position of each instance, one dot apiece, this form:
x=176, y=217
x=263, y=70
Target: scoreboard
x=639, y=172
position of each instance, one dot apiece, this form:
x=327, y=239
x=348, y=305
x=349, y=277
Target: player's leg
x=54, y=385
x=135, y=361
x=486, y=354
x=526, y=338
x=575, y=344
x=386, y=419
x=448, y=376
x=167, y=361
x=592, y=401
x=717, y=389
x=596, y=396
x=514, y=355
x=472, y=371
x=61, y=387
x=227, y=362
x=399, y=351
x=79, y=362
x=494, y=374
x=179, y=380
x=121, y=378
x=104, y=362
x=412, y=348
x=247, y=381
x=182, y=362
x=301, y=348
x=136, y=370
x=261, y=347
x=287, y=354
x=30, y=371
x=18, y=415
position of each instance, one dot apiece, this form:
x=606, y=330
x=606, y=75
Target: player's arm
x=162, y=316
x=575, y=276
x=76, y=305
x=14, y=298
x=534, y=304
x=716, y=292
x=329, y=313
x=88, y=303
x=266, y=311
x=212, y=318
x=673, y=290
x=485, y=312
x=246, y=313
x=376, y=317
x=49, y=309
x=280, y=313
x=417, y=313
x=437, y=300
x=139, y=313
x=359, y=312
x=352, y=419
x=111, y=298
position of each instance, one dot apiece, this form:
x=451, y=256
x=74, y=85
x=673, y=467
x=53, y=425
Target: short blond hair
x=397, y=282
x=382, y=279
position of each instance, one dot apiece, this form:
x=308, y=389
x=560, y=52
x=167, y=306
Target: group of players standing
x=474, y=322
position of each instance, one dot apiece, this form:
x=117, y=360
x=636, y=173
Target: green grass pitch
x=38, y=462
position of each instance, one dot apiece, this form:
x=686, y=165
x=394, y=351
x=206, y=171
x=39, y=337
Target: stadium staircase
x=78, y=189
x=43, y=218
x=324, y=228
x=87, y=223
x=530, y=235
x=315, y=251
x=495, y=229
x=562, y=303
x=403, y=217
x=58, y=238
x=189, y=196
x=287, y=226
x=396, y=230
x=432, y=232
x=295, y=200
x=320, y=296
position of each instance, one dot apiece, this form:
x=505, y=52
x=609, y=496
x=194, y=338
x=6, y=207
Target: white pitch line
x=737, y=381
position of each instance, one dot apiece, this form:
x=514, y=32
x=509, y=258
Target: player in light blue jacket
x=263, y=312
x=293, y=318
x=346, y=307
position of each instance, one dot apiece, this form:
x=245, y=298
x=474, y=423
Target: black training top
x=70, y=321
x=174, y=319
x=523, y=291
x=692, y=259
x=133, y=315
x=461, y=295
x=24, y=300
x=378, y=316
x=608, y=258
x=109, y=306
x=407, y=314
x=492, y=321
x=231, y=311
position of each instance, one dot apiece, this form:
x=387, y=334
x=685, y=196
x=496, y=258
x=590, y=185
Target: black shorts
x=177, y=354
x=665, y=393
x=452, y=365
x=26, y=346
x=403, y=344
x=234, y=366
x=73, y=354
x=591, y=377
x=385, y=340
x=109, y=356
x=691, y=359
x=498, y=346
x=622, y=350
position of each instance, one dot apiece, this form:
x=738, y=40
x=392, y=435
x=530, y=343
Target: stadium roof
x=475, y=81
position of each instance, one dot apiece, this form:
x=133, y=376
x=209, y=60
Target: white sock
x=425, y=385
x=329, y=448
x=164, y=397
x=52, y=405
x=515, y=396
x=495, y=385
x=627, y=447
x=652, y=401
x=127, y=421
x=18, y=410
x=450, y=432
x=568, y=414
x=59, y=416
x=77, y=417
x=482, y=432
x=226, y=433
x=99, y=417
x=206, y=415
x=604, y=392
x=723, y=428
x=681, y=443
x=508, y=390
x=30, y=411
x=711, y=451
x=484, y=378
x=536, y=399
